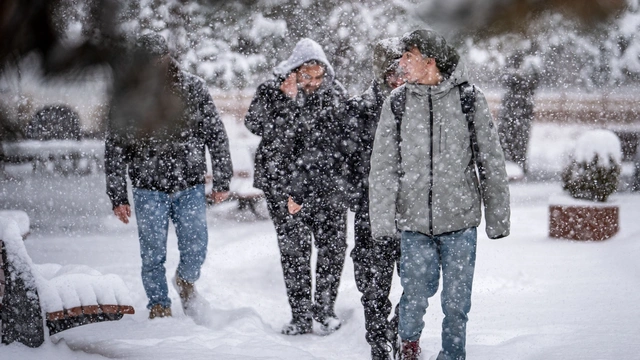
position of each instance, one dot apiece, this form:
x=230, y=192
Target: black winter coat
x=273, y=116
x=171, y=161
x=301, y=153
x=363, y=112
x=321, y=173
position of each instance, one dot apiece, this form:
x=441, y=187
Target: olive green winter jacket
x=426, y=180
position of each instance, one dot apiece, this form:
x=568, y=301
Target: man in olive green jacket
x=423, y=183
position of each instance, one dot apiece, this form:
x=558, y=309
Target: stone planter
x=582, y=220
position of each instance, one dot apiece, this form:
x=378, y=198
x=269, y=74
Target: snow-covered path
x=534, y=297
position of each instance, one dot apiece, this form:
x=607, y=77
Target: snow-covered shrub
x=594, y=167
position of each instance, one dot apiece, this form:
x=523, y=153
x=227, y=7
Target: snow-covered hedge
x=594, y=167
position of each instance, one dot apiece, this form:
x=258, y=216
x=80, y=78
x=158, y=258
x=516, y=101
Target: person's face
x=310, y=77
x=161, y=64
x=393, y=78
x=415, y=68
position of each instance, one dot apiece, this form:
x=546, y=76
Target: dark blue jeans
x=187, y=210
x=421, y=259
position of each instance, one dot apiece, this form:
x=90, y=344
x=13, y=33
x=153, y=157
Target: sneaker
x=330, y=324
x=381, y=350
x=297, y=327
x=410, y=350
x=391, y=334
x=159, y=311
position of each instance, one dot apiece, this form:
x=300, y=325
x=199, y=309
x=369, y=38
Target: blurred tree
x=236, y=44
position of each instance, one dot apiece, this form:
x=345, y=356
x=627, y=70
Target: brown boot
x=410, y=350
x=187, y=292
x=159, y=311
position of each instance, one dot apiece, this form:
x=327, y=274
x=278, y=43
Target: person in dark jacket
x=300, y=168
x=162, y=148
x=374, y=262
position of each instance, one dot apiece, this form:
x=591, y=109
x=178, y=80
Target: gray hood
x=306, y=50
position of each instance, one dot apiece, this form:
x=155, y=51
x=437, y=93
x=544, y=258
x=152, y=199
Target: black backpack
x=468, y=104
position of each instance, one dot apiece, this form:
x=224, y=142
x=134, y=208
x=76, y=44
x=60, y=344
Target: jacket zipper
x=430, y=164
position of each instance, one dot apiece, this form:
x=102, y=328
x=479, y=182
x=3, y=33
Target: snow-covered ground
x=534, y=297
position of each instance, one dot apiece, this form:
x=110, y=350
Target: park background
x=535, y=297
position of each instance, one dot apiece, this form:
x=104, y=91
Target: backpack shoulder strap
x=468, y=104
x=398, y=103
x=467, y=97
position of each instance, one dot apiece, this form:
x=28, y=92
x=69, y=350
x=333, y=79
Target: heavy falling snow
x=570, y=74
x=534, y=297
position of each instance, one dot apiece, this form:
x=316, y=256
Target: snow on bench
x=76, y=295
x=21, y=218
x=79, y=156
x=62, y=296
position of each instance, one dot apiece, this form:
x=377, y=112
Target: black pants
x=328, y=225
x=373, y=266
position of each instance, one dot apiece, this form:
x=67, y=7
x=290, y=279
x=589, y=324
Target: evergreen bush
x=590, y=181
x=594, y=169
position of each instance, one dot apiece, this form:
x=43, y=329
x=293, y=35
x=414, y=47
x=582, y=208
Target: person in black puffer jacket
x=161, y=143
x=300, y=167
x=373, y=261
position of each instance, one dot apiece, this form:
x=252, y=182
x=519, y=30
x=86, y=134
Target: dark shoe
x=159, y=311
x=410, y=350
x=296, y=327
x=391, y=334
x=381, y=350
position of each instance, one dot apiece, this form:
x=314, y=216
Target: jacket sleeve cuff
x=383, y=239
x=297, y=198
x=117, y=202
x=222, y=185
x=496, y=237
x=220, y=188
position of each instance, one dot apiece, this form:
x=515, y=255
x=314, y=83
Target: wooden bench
x=629, y=136
x=60, y=156
x=241, y=189
x=67, y=318
x=61, y=297
x=241, y=186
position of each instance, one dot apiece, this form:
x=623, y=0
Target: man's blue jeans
x=187, y=211
x=421, y=259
